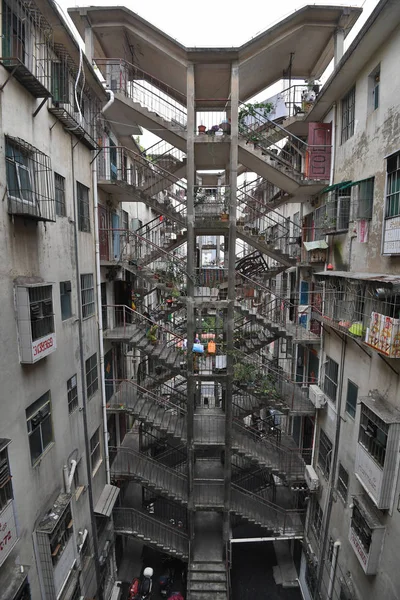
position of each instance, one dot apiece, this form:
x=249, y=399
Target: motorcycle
x=165, y=582
x=146, y=585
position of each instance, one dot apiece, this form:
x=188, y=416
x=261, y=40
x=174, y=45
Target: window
x=59, y=83
x=343, y=482
x=393, y=186
x=92, y=382
x=348, y=114
x=59, y=185
x=95, y=450
x=72, y=390
x=317, y=519
x=361, y=528
x=14, y=33
x=40, y=428
x=373, y=434
x=65, y=299
x=60, y=536
x=373, y=89
x=87, y=295
x=324, y=453
x=331, y=378
x=351, y=399
x=5, y=479
x=19, y=173
x=41, y=310
x=83, y=207
x=365, y=198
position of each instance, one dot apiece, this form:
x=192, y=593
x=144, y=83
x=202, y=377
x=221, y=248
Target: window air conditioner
x=316, y=396
x=311, y=478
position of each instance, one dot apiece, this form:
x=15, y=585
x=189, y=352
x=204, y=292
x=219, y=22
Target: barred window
x=343, y=482
x=19, y=173
x=87, y=295
x=361, y=528
x=92, y=380
x=40, y=427
x=60, y=536
x=72, y=390
x=331, y=378
x=95, y=449
x=393, y=186
x=348, y=114
x=83, y=207
x=324, y=453
x=5, y=479
x=41, y=311
x=373, y=435
x=59, y=185
x=317, y=519
x=351, y=398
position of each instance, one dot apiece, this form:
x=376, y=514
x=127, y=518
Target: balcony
x=364, y=306
x=26, y=48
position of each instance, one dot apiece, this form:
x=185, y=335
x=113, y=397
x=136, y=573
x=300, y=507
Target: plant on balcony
x=152, y=334
x=259, y=111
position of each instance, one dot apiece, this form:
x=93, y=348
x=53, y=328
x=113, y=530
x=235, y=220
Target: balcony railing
x=139, y=86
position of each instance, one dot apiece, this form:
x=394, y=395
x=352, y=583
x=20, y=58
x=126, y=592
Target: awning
x=317, y=245
x=106, y=502
x=378, y=277
x=335, y=186
x=381, y=407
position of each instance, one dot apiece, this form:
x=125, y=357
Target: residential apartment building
x=220, y=344
x=56, y=534
x=352, y=531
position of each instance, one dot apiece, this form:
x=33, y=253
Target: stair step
x=217, y=576
x=208, y=566
x=204, y=586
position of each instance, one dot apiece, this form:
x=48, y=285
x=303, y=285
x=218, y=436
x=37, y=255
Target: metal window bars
x=30, y=181
x=27, y=42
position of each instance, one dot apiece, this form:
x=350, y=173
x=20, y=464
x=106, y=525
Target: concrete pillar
x=338, y=45
x=233, y=166
x=191, y=257
x=88, y=39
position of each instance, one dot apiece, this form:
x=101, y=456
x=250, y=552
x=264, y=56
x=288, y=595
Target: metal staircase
x=153, y=532
x=207, y=580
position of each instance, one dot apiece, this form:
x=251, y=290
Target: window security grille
x=41, y=311
x=5, y=479
x=87, y=295
x=373, y=434
x=40, y=428
x=324, y=453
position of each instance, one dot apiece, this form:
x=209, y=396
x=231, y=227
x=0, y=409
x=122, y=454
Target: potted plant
x=202, y=129
x=225, y=126
x=152, y=334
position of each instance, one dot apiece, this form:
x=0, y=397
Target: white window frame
x=46, y=402
x=20, y=166
x=94, y=448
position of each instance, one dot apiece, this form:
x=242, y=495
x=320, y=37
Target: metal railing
x=269, y=515
x=142, y=87
x=131, y=464
x=130, y=521
x=165, y=155
x=208, y=493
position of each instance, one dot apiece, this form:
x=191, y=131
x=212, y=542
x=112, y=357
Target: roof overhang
x=375, y=32
x=382, y=278
x=306, y=35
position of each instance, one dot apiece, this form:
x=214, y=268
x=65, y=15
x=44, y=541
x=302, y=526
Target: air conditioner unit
x=311, y=478
x=316, y=396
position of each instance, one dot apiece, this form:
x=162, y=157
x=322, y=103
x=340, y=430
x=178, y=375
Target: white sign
x=358, y=549
x=391, y=236
x=43, y=347
x=369, y=474
x=8, y=532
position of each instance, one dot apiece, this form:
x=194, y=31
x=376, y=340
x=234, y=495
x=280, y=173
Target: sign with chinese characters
x=368, y=473
x=383, y=334
x=358, y=549
x=43, y=347
x=8, y=532
x=391, y=236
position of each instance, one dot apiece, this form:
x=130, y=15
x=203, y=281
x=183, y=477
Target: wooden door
x=319, y=151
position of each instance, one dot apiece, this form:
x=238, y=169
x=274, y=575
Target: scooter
x=165, y=582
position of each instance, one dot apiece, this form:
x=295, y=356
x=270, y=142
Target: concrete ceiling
x=307, y=34
x=374, y=33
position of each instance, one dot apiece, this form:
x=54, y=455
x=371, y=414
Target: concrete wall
x=46, y=251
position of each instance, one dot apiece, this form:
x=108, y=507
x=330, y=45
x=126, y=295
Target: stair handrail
x=140, y=456
x=158, y=154
x=277, y=446
x=268, y=503
x=149, y=519
x=146, y=393
x=141, y=317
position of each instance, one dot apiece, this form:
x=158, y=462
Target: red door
x=319, y=151
x=103, y=234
